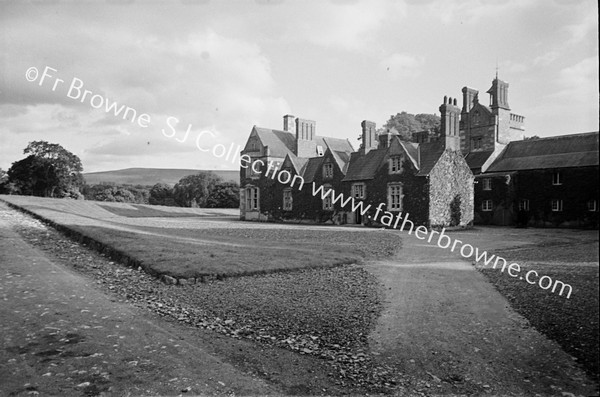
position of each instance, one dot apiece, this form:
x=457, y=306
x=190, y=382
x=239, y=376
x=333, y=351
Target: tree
x=115, y=194
x=193, y=190
x=224, y=195
x=161, y=194
x=406, y=124
x=4, y=189
x=49, y=171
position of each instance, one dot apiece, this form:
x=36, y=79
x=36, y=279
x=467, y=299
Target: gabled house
x=275, y=163
x=542, y=182
x=429, y=182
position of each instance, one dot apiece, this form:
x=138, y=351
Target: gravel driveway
x=443, y=321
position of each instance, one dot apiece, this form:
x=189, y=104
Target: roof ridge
x=548, y=138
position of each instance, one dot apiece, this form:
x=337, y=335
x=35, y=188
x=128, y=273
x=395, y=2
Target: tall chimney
x=449, y=127
x=469, y=95
x=289, y=124
x=306, y=142
x=369, y=136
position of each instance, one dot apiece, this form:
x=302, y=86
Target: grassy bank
x=203, y=247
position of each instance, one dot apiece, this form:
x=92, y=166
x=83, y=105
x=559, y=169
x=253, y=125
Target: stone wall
x=451, y=196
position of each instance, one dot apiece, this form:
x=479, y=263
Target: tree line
x=49, y=170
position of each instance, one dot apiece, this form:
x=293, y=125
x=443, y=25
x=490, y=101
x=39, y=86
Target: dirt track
x=444, y=322
x=61, y=336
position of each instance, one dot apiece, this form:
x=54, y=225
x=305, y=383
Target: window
x=487, y=205
x=254, y=170
x=287, y=200
x=557, y=205
x=476, y=143
x=327, y=171
x=327, y=202
x=251, y=198
x=557, y=178
x=487, y=183
x=395, y=197
x=523, y=205
x=358, y=190
x=396, y=165
x=592, y=205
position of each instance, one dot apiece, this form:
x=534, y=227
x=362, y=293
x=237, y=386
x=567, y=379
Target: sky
x=196, y=76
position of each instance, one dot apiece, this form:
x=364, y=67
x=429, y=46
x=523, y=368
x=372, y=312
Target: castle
x=476, y=170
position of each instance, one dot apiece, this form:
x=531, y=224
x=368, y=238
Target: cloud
x=201, y=76
x=472, y=11
x=346, y=25
x=580, y=77
x=585, y=26
x=402, y=65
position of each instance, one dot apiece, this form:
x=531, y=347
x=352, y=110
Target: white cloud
x=586, y=25
x=402, y=65
x=472, y=11
x=347, y=25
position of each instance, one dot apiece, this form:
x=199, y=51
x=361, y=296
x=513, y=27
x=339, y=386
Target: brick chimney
x=369, y=136
x=449, y=128
x=289, y=124
x=306, y=144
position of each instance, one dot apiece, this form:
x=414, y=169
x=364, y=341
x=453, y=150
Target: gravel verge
x=327, y=313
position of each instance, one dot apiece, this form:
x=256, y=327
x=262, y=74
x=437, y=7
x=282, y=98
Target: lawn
x=203, y=245
x=573, y=322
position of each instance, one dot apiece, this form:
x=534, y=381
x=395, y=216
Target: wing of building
x=542, y=182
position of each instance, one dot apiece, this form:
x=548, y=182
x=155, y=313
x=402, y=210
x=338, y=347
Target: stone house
x=278, y=165
x=429, y=182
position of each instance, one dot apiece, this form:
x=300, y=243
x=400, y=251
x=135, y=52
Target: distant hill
x=151, y=176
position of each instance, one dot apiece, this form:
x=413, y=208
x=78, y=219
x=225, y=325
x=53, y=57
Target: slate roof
x=363, y=167
x=413, y=151
x=477, y=159
x=313, y=165
x=429, y=154
x=577, y=150
x=282, y=143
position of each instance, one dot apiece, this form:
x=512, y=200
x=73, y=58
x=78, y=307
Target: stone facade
x=386, y=177
x=451, y=191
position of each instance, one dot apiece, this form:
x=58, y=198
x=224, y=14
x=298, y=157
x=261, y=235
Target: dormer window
x=476, y=143
x=327, y=171
x=395, y=165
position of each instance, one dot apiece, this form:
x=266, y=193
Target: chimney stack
x=369, y=136
x=306, y=142
x=289, y=124
x=449, y=128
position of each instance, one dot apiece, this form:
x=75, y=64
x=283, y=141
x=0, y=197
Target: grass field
x=205, y=242
x=152, y=176
x=574, y=322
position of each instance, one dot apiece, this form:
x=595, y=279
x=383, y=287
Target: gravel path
x=63, y=337
x=445, y=323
